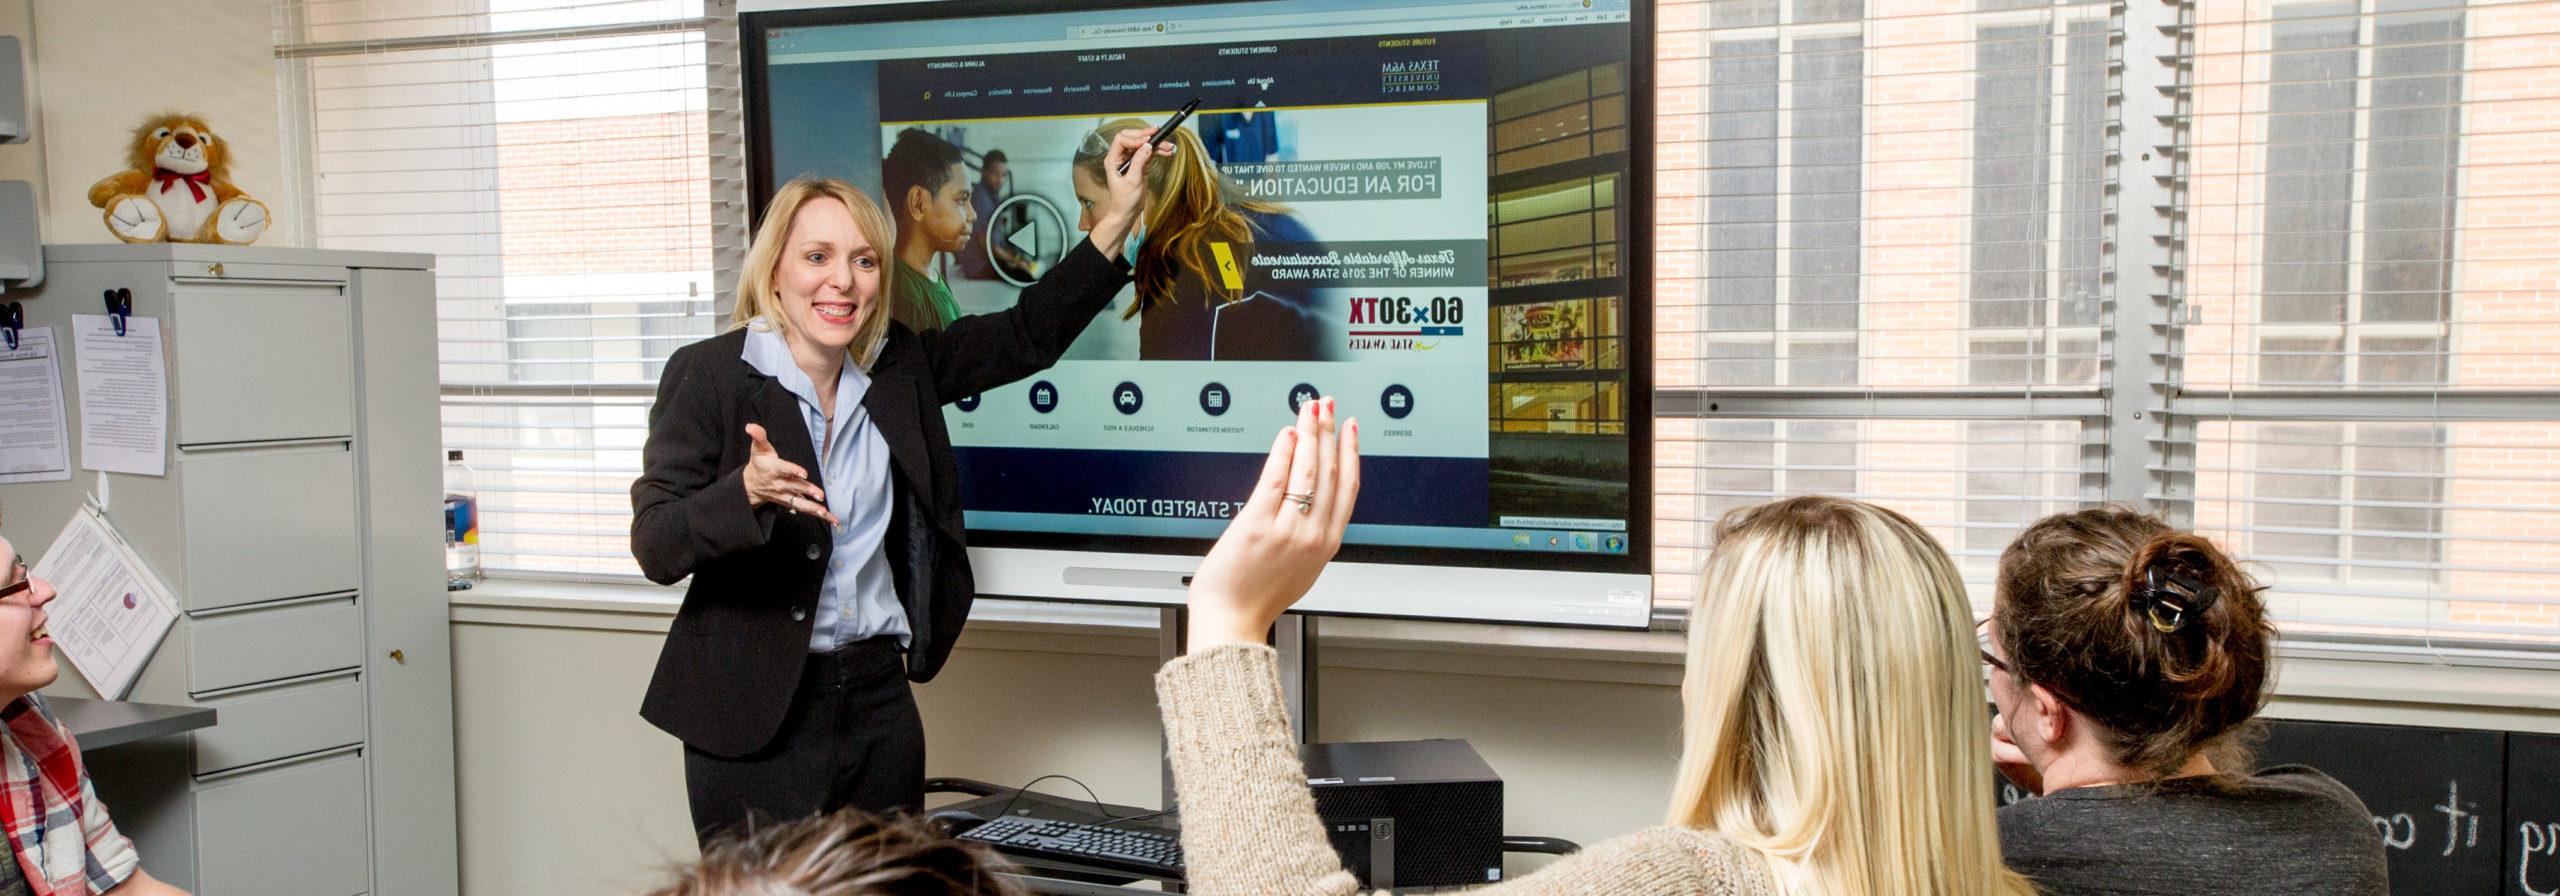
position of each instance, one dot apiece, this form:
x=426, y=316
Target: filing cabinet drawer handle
x=303, y=759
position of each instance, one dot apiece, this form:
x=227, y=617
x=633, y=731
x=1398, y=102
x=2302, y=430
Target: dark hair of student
x=993, y=157
x=2152, y=632
x=847, y=853
x=917, y=159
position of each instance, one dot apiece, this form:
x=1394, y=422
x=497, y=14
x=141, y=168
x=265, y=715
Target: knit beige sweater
x=1250, y=826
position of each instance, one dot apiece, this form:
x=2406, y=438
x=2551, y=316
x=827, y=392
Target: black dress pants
x=852, y=738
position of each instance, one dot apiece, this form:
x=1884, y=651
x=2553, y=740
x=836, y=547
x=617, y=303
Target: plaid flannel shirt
x=58, y=832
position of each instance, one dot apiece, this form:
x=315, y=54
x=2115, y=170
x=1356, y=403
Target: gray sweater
x=1250, y=826
x=2285, y=831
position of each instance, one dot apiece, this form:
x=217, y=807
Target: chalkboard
x=2438, y=796
x=2533, y=815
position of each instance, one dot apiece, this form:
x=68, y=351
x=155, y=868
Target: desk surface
x=106, y=723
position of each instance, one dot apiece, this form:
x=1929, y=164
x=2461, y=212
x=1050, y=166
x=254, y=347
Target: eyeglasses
x=1095, y=146
x=19, y=580
x=1982, y=637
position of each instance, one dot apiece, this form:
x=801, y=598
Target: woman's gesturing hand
x=1279, y=542
x=1112, y=221
x=772, y=480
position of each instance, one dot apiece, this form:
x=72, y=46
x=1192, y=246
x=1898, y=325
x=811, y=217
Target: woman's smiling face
x=829, y=274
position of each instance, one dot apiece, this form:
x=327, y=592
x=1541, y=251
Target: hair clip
x=2168, y=596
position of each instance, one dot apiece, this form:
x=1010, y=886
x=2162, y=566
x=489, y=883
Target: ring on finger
x=1306, y=502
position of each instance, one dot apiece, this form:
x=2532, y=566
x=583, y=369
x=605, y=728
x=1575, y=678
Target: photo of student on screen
x=1195, y=237
x=988, y=254
x=927, y=188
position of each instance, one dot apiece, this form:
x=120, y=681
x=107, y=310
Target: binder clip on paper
x=13, y=317
x=119, y=306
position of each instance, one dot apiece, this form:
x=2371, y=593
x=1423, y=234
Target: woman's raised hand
x=1119, y=213
x=1281, y=539
x=772, y=480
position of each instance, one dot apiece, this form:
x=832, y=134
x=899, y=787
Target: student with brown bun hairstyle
x=2123, y=653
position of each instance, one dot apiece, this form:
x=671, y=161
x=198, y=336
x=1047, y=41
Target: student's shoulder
x=2029, y=826
x=1668, y=859
x=2302, y=783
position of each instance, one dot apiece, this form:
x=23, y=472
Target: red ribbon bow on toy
x=195, y=182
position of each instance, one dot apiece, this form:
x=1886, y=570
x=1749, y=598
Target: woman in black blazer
x=824, y=535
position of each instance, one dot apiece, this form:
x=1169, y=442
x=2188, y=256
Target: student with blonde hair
x=1832, y=708
x=2122, y=652
x=798, y=472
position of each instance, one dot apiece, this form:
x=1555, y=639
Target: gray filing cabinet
x=299, y=526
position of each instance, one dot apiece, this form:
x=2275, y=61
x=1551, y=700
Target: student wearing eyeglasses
x=61, y=840
x=2126, y=657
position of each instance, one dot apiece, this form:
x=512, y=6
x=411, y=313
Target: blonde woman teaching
x=797, y=469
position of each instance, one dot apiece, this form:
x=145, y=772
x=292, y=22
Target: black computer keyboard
x=1134, y=852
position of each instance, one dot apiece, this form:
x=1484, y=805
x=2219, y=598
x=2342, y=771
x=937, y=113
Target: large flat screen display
x=1432, y=211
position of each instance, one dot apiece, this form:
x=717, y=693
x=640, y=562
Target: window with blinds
x=1883, y=248
x=2369, y=390
x=2278, y=268
x=554, y=158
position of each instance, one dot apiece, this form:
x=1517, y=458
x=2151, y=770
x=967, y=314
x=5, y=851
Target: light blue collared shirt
x=858, y=599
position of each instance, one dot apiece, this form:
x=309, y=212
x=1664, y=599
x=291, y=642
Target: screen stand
x=1294, y=636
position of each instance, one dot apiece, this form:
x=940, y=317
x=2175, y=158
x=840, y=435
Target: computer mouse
x=952, y=822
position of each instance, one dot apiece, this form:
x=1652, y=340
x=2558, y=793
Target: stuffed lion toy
x=178, y=188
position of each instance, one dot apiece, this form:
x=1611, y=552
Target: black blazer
x=731, y=664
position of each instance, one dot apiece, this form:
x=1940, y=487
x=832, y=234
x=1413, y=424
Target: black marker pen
x=1157, y=139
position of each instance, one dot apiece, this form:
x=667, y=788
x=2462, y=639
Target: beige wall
x=89, y=93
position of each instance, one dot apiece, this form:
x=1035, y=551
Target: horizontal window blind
x=1973, y=483
x=2367, y=392
x=553, y=156
x=1883, y=232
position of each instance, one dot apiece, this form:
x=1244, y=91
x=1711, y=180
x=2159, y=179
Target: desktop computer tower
x=1420, y=813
